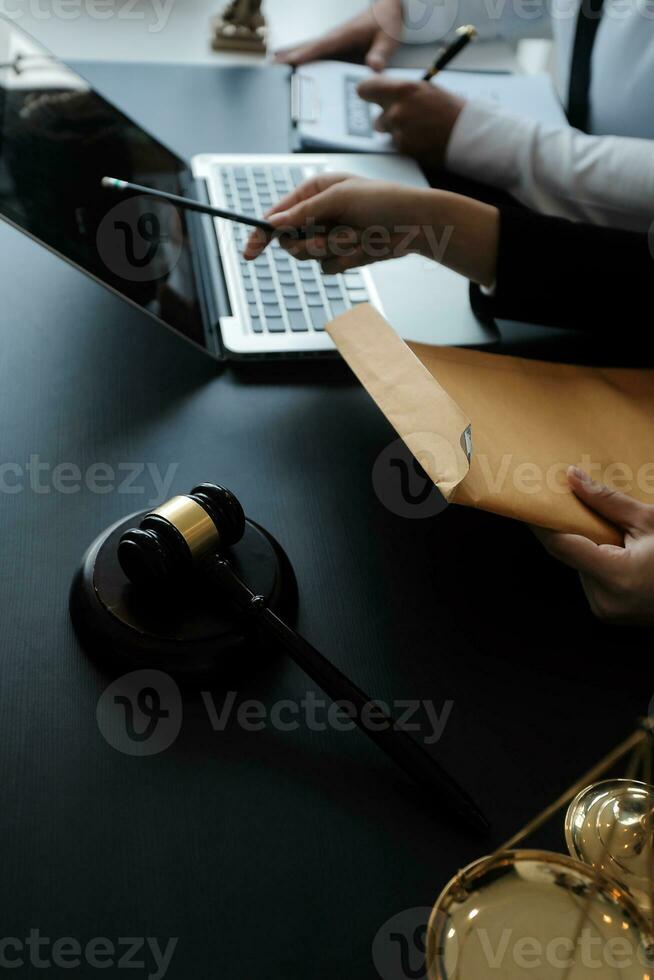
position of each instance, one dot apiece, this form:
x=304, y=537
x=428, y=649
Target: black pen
x=188, y=204
x=466, y=34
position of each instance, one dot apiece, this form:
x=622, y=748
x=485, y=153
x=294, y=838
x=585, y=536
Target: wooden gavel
x=188, y=536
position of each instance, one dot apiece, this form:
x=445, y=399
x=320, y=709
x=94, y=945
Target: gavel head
x=173, y=540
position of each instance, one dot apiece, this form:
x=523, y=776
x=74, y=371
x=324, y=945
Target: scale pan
x=609, y=826
x=537, y=914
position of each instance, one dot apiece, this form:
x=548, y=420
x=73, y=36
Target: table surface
x=278, y=854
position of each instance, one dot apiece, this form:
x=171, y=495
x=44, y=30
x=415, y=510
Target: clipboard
x=327, y=114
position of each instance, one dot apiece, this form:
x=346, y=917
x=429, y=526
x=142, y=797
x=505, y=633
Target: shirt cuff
x=484, y=145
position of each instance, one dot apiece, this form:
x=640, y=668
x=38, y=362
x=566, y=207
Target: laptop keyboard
x=281, y=294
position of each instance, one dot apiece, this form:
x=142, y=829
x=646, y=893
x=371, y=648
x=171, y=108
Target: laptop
x=59, y=137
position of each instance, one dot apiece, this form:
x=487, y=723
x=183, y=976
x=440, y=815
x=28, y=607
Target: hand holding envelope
x=501, y=433
x=618, y=581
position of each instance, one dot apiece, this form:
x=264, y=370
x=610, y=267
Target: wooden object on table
x=240, y=27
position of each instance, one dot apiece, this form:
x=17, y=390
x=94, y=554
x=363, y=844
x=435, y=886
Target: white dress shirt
x=605, y=178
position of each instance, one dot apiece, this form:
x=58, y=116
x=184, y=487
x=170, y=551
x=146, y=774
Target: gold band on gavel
x=193, y=523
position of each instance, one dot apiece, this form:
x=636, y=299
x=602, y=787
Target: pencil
x=466, y=34
x=187, y=204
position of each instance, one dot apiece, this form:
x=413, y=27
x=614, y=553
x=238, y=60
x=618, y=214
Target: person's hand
x=419, y=116
x=619, y=582
x=376, y=33
x=348, y=222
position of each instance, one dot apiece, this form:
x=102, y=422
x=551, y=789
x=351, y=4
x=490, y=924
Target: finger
x=303, y=54
x=310, y=188
x=617, y=507
x=389, y=123
x=334, y=265
x=300, y=55
x=315, y=214
x=321, y=246
x=335, y=42
x=380, y=52
x=383, y=123
x=257, y=243
x=304, y=250
x=600, y=561
x=385, y=91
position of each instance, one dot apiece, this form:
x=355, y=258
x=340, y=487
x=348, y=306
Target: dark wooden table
x=272, y=853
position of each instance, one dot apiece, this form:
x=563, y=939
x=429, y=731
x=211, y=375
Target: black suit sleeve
x=563, y=274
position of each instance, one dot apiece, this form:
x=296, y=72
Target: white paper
x=333, y=117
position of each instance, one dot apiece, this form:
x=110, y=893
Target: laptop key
x=338, y=307
x=314, y=300
x=358, y=295
x=298, y=322
x=271, y=312
x=276, y=325
x=319, y=318
x=269, y=298
x=256, y=324
x=294, y=304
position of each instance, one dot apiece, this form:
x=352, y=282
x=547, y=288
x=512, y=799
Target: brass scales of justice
x=527, y=913
x=240, y=27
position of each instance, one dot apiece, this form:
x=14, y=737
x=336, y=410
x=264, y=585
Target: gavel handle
x=381, y=728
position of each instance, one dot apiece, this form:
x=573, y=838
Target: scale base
x=186, y=631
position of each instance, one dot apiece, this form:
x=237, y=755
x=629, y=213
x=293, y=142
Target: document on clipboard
x=329, y=115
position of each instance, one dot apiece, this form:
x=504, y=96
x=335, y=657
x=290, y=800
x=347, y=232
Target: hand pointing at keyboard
x=349, y=222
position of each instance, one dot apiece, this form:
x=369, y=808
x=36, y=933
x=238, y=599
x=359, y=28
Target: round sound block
x=187, y=630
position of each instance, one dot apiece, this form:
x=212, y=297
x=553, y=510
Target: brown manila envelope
x=499, y=433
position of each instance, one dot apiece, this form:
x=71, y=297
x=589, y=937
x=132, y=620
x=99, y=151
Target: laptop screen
x=58, y=138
